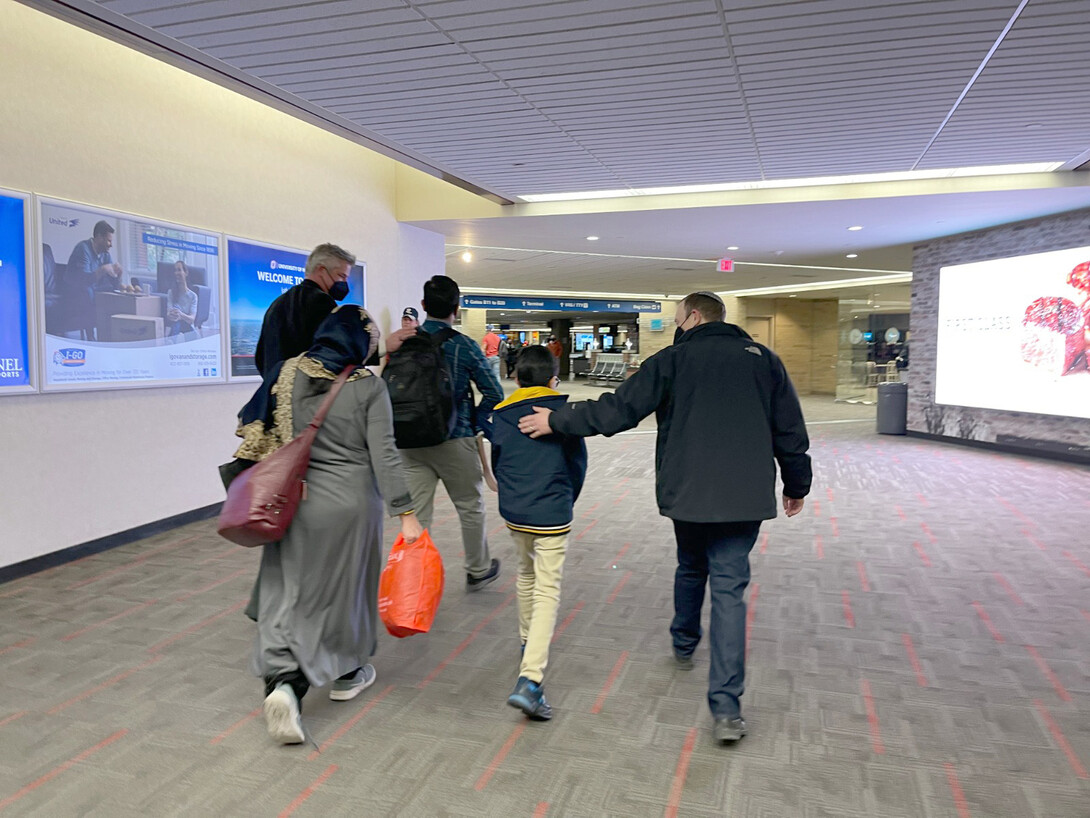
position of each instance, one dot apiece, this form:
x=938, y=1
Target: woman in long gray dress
x=317, y=589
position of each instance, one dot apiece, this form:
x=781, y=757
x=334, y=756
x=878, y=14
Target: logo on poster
x=73, y=356
x=11, y=368
x=272, y=264
x=64, y=222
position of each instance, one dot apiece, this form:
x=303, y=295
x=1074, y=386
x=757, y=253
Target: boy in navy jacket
x=539, y=482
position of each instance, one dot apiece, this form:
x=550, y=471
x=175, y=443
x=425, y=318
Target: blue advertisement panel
x=14, y=318
x=127, y=301
x=535, y=304
x=256, y=275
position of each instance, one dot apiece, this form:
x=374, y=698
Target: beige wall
x=89, y=120
x=473, y=323
x=804, y=335
x=652, y=342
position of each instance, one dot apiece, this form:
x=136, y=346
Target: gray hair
x=328, y=255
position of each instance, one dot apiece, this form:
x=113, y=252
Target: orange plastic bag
x=410, y=586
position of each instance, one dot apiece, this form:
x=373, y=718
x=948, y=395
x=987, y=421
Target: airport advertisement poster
x=15, y=356
x=1014, y=334
x=256, y=276
x=127, y=301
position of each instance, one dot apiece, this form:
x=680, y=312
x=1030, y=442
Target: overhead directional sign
x=535, y=304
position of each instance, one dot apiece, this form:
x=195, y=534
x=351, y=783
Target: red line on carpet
x=862, y=569
x=131, y=564
x=103, y=685
x=465, y=642
x=923, y=554
x=1079, y=563
x=987, y=620
x=922, y=499
x=579, y=536
x=819, y=545
x=348, y=725
x=872, y=718
x=33, y=785
x=846, y=601
x=251, y=715
x=568, y=620
x=309, y=791
x=13, y=717
x=680, y=772
x=829, y=494
x=542, y=809
x=590, y=510
x=1086, y=614
x=158, y=646
x=750, y=608
x=900, y=512
x=914, y=660
x=625, y=494
x=1061, y=691
x=1033, y=539
x=1061, y=740
x=836, y=528
x=21, y=644
x=107, y=621
x=247, y=570
x=621, y=553
x=955, y=790
x=764, y=542
x=613, y=674
x=497, y=760
x=927, y=531
x=226, y=553
x=1002, y=580
x=817, y=508
x=14, y=592
x=619, y=586
x=496, y=528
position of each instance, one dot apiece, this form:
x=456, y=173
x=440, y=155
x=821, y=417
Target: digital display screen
x=1013, y=334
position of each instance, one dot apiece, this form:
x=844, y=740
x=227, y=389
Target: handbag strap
x=319, y=416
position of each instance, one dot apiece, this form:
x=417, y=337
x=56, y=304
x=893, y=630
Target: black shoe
x=684, y=661
x=529, y=697
x=476, y=583
x=729, y=730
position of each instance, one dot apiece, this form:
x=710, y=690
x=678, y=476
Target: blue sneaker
x=529, y=697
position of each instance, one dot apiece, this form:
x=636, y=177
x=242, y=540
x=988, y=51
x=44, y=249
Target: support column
x=561, y=328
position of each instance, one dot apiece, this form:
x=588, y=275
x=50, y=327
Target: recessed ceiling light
x=856, y=227
x=792, y=296
x=467, y=256
x=852, y=255
x=592, y=238
x=732, y=247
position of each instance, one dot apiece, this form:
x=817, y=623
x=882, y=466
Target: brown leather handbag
x=262, y=500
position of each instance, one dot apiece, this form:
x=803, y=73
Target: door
x=760, y=328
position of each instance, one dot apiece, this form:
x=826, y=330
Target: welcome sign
x=15, y=356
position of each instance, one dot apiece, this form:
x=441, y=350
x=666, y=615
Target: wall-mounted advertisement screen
x=257, y=274
x=1014, y=334
x=15, y=357
x=127, y=301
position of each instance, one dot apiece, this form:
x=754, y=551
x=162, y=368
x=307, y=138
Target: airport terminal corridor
x=918, y=646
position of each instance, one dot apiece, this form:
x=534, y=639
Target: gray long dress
x=317, y=588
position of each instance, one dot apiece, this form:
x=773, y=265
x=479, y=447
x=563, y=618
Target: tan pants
x=541, y=564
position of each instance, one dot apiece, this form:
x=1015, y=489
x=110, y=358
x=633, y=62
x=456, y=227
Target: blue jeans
x=719, y=553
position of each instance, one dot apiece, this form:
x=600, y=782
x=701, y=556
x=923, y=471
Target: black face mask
x=339, y=290
x=677, y=334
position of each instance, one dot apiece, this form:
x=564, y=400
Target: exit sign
x=726, y=265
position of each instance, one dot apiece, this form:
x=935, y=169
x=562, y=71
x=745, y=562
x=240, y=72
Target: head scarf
x=347, y=336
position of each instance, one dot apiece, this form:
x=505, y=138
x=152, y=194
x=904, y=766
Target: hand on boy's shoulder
x=536, y=424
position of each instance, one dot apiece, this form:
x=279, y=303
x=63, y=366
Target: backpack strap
x=444, y=335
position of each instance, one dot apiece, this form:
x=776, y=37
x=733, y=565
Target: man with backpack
x=436, y=423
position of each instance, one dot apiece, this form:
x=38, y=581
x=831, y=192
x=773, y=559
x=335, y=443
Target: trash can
x=892, y=408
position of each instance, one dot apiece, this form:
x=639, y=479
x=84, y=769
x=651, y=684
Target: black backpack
x=421, y=391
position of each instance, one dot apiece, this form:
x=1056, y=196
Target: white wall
x=88, y=120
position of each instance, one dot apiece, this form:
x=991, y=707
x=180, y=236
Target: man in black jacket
x=727, y=413
x=293, y=318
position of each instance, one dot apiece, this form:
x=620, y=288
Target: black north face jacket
x=727, y=414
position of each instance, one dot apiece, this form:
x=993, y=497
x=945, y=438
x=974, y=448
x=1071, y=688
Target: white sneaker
x=345, y=689
x=282, y=716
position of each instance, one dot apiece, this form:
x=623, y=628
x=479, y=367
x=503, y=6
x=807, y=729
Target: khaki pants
x=541, y=564
x=457, y=464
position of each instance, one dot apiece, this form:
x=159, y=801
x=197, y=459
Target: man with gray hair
x=727, y=414
x=293, y=318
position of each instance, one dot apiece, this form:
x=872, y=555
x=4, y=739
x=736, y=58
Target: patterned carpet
x=919, y=646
